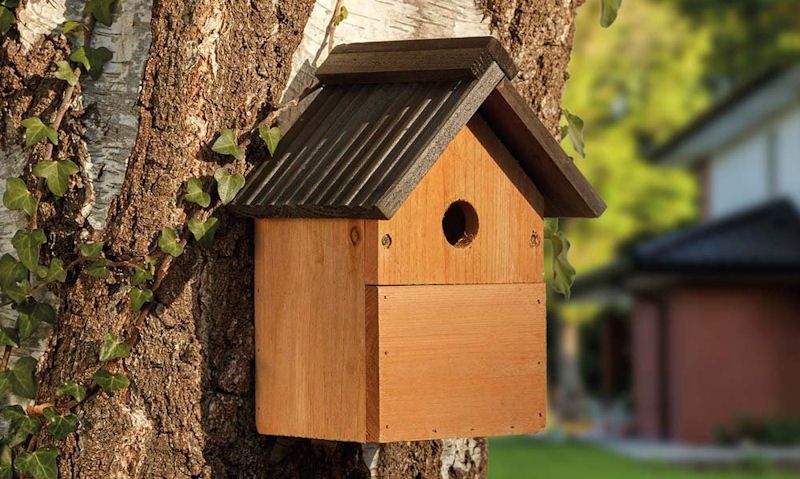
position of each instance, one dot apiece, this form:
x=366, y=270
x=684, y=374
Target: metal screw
x=386, y=241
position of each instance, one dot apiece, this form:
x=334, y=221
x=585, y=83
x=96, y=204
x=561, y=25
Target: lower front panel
x=455, y=361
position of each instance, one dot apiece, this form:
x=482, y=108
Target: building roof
x=758, y=243
x=734, y=116
x=385, y=113
x=764, y=239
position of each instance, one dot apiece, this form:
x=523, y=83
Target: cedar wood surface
x=317, y=346
x=477, y=168
x=457, y=361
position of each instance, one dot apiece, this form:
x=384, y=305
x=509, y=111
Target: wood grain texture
x=568, y=192
x=309, y=334
x=459, y=360
x=476, y=168
x=438, y=59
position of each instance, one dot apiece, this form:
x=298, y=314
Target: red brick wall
x=645, y=363
x=732, y=351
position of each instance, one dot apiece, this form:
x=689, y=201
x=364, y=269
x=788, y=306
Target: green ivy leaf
x=20, y=424
x=55, y=272
x=31, y=315
x=575, y=132
x=21, y=378
x=6, y=462
x=140, y=275
x=12, y=272
x=66, y=73
x=35, y=131
x=56, y=173
x=7, y=20
x=110, y=382
x=563, y=272
x=8, y=337
x=169, y=244
x=28, y=244
x=196, y=194
x=71, y=25
x=91, y=250
x=98, y=269
x=113, y=348
x=341, y=16
x=271, y=136
x=40, y=464
x=92, y=59
x=226, y=145
x=139, y=297
x=73, y=389
x=608, y=12
x=18, y=292
x=60, y=426
x=101, y=10
x=17, y=197
x=228, y=185
x=203, y=231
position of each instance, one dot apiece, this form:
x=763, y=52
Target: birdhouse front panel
x=398, y=249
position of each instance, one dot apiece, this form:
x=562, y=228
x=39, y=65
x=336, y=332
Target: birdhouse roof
x=384, y=115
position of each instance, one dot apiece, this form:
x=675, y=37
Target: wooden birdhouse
x=399, y=281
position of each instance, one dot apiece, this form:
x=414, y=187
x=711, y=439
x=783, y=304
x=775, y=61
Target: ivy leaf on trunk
x=60, y=426
x=92, y=59
x=73, y=389
x=113, y=348
x=139, y=297
x=56, y=173
x=21, y=379
x=271, y=137
x=195, y=193
x=28, y=245
x=36, y=131
x=110, y=382
x=17, y=197
x=228, y=185
x=226, y=145
x=169, y=244
x=31, y=315
x=40, y=464
x=66, y=73
x=203, y=231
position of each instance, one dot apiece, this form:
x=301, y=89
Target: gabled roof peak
x=386, y=112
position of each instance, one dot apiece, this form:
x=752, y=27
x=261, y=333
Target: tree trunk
x=183, y=70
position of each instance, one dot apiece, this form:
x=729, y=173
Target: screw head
x=535, y=239
x=386, y=241
x=355, y=235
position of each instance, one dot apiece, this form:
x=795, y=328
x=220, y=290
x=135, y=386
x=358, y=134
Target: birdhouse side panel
x=309, y=328
x=475, y=218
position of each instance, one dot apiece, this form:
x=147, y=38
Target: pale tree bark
x=183, y=70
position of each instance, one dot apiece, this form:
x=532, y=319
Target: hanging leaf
x=140, y=275
x=20, y=424
x=66, y=73
x=195, y=193
x=18, y=198
x=6, y=462
x=98, y=269
x=8, y=337
x=7, y=20
x=56, y=173
x=18, y=292
x=40, y=464
x=101, y=10
x=139, y=297
x=28, y=244
x=608, y=12
x=110, y=382
x=203, y=231
x=91, y=250
x=60, y=426
x=73, y=389
x=563, y=272
x=71, y=25
x=36, y=131
x=575, y=132
x=550, y=227
x=55, y=272
x=169, y=244
x=228, y=185
x=92, y=59
x=271, y=137
x=31, y=315
x=226, y=145
x=21, y=378
x=11, y=271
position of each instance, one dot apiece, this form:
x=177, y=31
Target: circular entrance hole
x=460, y=224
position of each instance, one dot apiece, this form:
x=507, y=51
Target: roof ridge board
x=443, y=59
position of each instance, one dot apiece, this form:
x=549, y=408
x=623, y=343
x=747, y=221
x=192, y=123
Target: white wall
x=740, y=175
